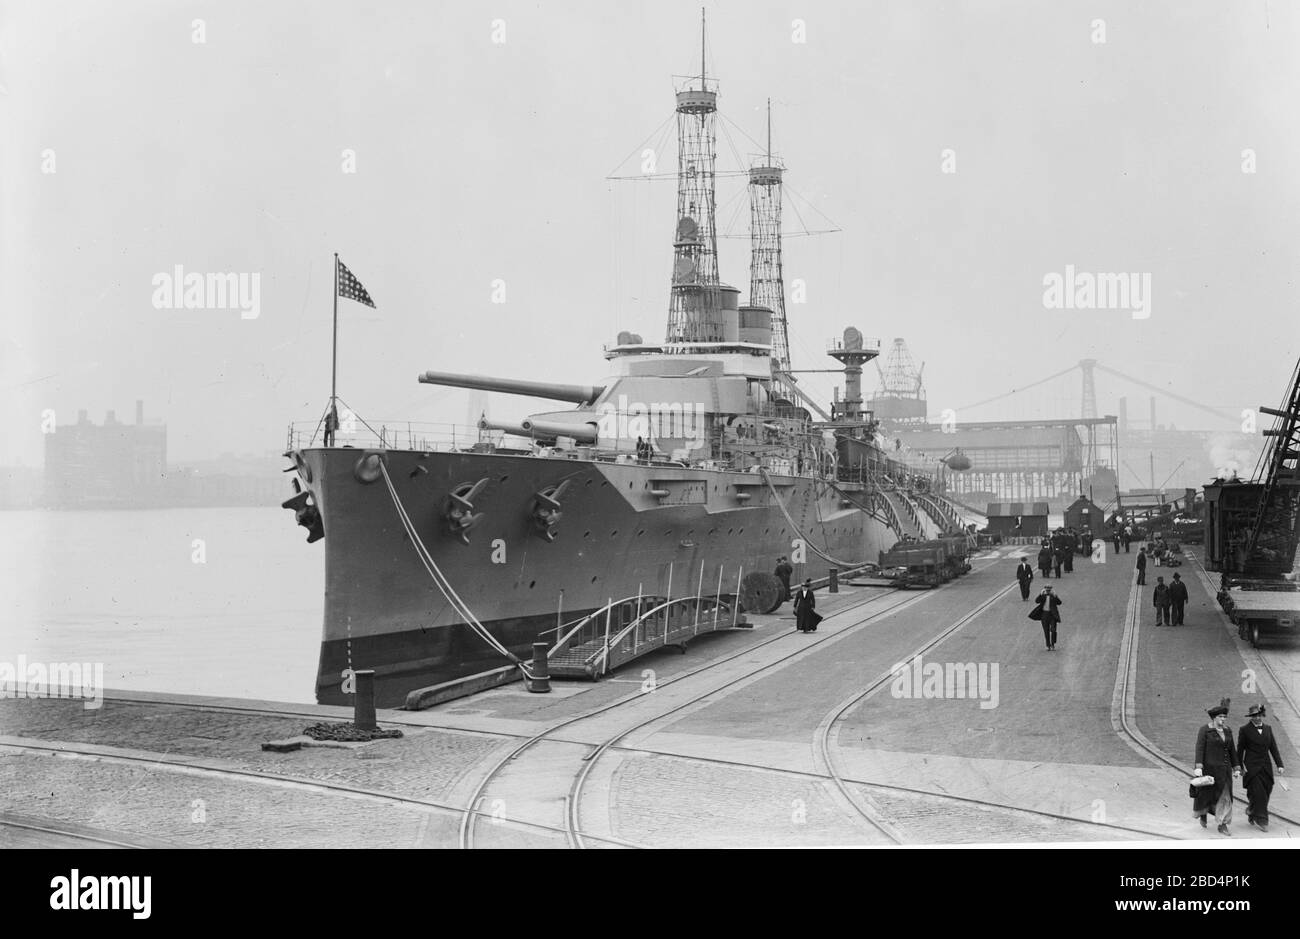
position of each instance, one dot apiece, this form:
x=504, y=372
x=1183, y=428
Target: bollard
x=541, y=680
x=835, y=580
x=363, y=704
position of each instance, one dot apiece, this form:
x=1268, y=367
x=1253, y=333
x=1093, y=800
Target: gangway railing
x=941, y=511
x=594, y=645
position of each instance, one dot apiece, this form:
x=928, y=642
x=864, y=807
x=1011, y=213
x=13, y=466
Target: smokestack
x=1123, y=415
x=82, y=417
x=110, y=417
x=1153, y=412
x=139, y=413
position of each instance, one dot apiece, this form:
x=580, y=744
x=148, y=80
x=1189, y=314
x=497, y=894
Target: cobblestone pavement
x=198, y=811
x=424, y=764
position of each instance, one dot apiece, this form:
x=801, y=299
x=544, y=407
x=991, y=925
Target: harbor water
x=221, y=601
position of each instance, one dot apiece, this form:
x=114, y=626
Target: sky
x=481, y=141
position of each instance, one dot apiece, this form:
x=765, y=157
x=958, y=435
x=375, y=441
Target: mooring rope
x=815, y=550
x=440, y=580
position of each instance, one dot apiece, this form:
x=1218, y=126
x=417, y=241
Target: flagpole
x=334, y=368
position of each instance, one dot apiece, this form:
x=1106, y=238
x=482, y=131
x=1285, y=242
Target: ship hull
x=626, y=529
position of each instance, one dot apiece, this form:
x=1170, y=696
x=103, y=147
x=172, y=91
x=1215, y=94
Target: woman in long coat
x=805, y=608
x=1216, y=756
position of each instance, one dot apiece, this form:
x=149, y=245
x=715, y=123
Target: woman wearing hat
x=1215, y=756
x=805, y=608
x=1255, y=746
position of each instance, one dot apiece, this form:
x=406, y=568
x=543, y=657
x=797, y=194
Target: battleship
x=696, y=464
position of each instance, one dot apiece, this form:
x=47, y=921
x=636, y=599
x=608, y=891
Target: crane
x=1276, y=529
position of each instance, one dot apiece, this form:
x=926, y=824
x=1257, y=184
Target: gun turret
x=544, y=430
x=577, y=394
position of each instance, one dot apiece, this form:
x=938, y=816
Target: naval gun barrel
x=576, y=394
x=549, y=430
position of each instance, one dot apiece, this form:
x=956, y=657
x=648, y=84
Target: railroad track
x=80, y=835
x=942, y=797
x=1124, y=703
x=575, y=836
x=829, y=771
x=178, y=764
x=870, y=812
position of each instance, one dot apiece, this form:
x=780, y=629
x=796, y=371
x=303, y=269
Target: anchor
x=460, y=508
x=305, y=511
x=547, y=510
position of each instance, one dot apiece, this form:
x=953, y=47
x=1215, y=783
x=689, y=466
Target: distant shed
x=1083, y=515
x=1018, y=519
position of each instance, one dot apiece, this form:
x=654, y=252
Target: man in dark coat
x=1024, y=574
x=1047, y=612
x=1045, y=560
x=1142, y=567
x=1128, y=537
x=1255, y=746
x=805, y=609
x=1160, y=598
x=783, y=572
x=1067, y=558
x=1115, y=537
x=1217, y=757
x=1178, y=598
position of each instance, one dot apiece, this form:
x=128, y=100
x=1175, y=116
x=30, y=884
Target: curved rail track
x=1124, y=710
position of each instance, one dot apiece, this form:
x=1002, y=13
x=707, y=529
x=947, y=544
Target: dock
x=757, y=737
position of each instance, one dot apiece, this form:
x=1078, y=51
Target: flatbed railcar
x=926, y=563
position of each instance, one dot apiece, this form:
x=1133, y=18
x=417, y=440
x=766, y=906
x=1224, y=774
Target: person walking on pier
x=1160, y=597
x=1056, y=562
x=1067, y=557
x=1128, y=537
x=1257, y=751
x=1045, y=559
x=1024, y=574
x=1114, y=536
x=1217, y=757
x=1046, y=612
x=1178, y=598
x=805, y=609
x=783, y=572
x=1142, y=567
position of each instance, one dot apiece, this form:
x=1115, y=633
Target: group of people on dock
x=1056, y=554
x=1169, y=600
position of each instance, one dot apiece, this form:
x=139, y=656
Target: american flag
x=351, y=288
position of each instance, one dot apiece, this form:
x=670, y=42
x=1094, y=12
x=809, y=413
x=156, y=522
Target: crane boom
x=1276, y=530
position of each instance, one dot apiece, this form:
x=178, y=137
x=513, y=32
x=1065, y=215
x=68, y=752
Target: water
x=238, y=615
